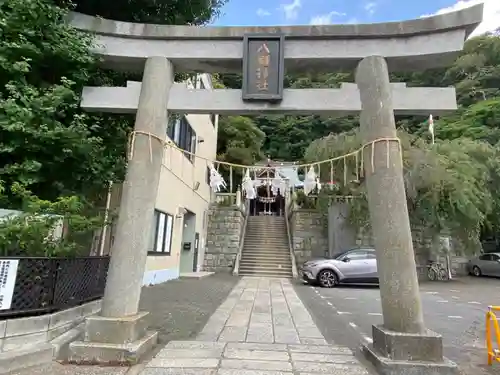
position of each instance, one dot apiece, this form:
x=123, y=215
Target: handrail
x=493, y=354
x=290, y=245
x=246, y=212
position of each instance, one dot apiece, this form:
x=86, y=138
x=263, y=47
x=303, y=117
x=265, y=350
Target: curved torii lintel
x=408, y=45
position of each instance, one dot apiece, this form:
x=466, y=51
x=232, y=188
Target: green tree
x=34, y=231
x=451, y=185
x=165, y=12
x=46, y=143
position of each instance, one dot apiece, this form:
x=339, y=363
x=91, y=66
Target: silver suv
x=355, y=266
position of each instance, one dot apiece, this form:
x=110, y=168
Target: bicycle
x=436, y=272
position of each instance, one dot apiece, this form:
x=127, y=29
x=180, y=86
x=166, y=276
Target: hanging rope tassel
x=345, y=171
x=331, y=174
x=387, y=148
x=231, y=179
x=357, y=166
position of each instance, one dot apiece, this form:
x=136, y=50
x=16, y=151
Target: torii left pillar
x=119, y=334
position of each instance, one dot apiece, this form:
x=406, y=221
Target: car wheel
x=327, y=279
x=476, y=271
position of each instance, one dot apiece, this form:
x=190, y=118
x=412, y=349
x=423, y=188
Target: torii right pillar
x=402, y=344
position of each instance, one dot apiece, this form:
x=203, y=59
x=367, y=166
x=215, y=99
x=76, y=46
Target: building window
x=162, y=240
x=183, y=135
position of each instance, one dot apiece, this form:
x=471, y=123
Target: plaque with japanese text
x=263, y=67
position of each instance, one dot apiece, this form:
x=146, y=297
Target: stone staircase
x=266, y=249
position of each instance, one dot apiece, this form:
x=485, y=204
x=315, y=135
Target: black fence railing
x=46, y=285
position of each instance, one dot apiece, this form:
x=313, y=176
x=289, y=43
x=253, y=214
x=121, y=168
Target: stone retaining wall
x=309, y=237
x=223, y=238
x=21, y=333
x=310, y=240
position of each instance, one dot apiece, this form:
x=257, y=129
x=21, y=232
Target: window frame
x=166, y=236
x=365, y=255
x=180, y=131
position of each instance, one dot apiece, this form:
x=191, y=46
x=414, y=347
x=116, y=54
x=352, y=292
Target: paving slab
x=262, y=328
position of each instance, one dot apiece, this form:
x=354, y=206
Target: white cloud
x=291, y=10
x=325, y=19
x=491, y=15
x=263, y=13
x=370, y=7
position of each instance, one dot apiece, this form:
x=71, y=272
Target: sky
x=322, y=12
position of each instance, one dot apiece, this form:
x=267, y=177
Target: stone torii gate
x=402, y=343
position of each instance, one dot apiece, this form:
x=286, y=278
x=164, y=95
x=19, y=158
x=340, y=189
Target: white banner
x=8, y=274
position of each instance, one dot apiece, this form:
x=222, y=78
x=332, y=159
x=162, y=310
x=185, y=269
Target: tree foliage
x=165, y=12
x=47, y=144
x=34, y=231
x=449, y=185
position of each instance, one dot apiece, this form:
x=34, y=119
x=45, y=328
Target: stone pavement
x=261, y=329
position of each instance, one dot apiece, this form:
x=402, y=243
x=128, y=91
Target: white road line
x=474, y=303
x=442, y=301
x=431, y=292
x=329, y=303
x=377, y=299
x=368, y=339
x=375, y=314
x=343, y=313
x=455, y=297
x=454, y=291
x=454, y=317
x=322, y=296
x=353, y=325
x=350, y=298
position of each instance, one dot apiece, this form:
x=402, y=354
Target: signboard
x=263, y=67
x=8, y=274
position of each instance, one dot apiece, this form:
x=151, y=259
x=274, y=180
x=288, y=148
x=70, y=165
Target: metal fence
x=45, y=285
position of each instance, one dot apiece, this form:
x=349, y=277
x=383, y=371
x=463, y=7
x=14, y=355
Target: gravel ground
x=179, y=309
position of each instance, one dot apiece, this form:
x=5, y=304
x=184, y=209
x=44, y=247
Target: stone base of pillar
x=113, y=341
x=395, y=353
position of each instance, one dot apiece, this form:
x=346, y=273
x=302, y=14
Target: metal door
x=195, y=255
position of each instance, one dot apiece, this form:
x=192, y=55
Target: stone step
x=261, y=238
x=264, y=242
x=266, y=218
x=266, y=253
x=266, y=268
x=266, y=273
x=262, y=254
x=264, y=261
x=267, y=227
x=266, y=232
x=35, y=355
x=273, y=248
x=250, y=243
x=274, y=270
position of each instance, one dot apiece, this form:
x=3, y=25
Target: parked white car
x=487, y=264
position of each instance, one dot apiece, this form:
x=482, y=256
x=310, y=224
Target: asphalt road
x=455, y=309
